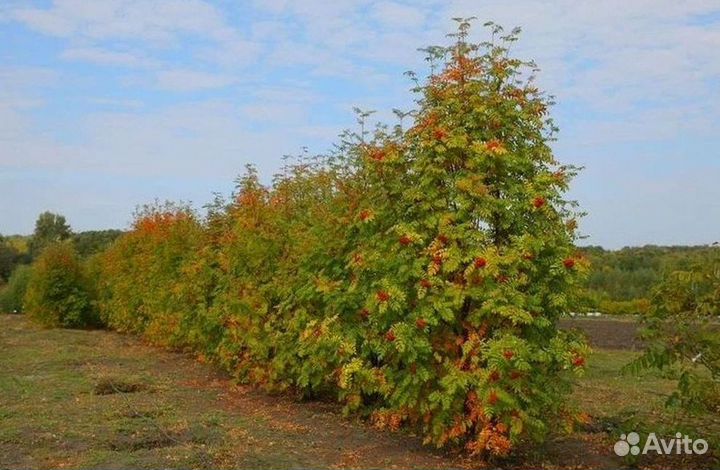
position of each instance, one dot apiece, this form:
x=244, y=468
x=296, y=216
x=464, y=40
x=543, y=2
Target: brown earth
x=607, y=333
x=98, y=399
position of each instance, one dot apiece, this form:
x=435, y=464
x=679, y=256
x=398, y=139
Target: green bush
x=13, y=293
x=150, y=279
x=624, y=307
x=59, y=291
x=417, y=275
x=682, y=332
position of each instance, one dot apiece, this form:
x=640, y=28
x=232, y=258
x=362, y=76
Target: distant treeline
x=17, y=249
x=622, y=281
x=18, y=252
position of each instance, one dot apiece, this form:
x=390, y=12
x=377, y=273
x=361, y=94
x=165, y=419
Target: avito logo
x=630, y=444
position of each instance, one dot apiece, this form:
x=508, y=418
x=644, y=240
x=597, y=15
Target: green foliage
x=19, y=242
x=416, y=274
x=683, y=332
x=621, y=281
x=13, y=293
x=10, y=257
x=94, y=241
x=149, y=280
x=624, y=307
x=49, y=228
x=59, y=292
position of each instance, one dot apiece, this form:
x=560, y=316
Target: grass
x=621, y=403
x=97, y=399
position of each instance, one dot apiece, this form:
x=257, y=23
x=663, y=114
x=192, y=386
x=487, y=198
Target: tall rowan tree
x=463, y=290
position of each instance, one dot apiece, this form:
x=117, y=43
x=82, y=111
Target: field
x=98, y=399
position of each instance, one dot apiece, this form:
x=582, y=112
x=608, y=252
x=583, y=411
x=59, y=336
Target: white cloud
x=159, y=20
x=118, y=103
x=103, y=57
x=159, y=24
x=397, y=15
x=275, y=113
x=14, y=78
x=190, y=80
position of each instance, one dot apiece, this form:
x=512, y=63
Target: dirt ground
x=607, y=333
x=97, y=399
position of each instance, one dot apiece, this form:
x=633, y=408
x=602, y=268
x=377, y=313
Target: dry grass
x=96, y=399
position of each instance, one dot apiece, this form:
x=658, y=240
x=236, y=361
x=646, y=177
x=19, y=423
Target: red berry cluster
x=383, y=296
x=405, y=240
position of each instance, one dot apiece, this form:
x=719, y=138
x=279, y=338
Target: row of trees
x=417, y=275
x=623, y=281
x=17, y=253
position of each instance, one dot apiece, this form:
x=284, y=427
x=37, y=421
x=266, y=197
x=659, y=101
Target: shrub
x=417, y=275
x=13, y=293
x=682, y=332
x=10, y=257
x=59, y=291
x=149, y=278
x=461, y=262
x=625, y=307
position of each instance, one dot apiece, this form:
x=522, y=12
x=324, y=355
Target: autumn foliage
x=417, y=274
x=60, y=291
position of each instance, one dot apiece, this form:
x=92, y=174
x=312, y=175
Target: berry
x=494, y=376
x=507, y=354
x=442, y=238
x=579, y=361
x=493, y=397
x=390, y=336
x=538, y=202
x=405, y=240
x=421, y=323
x=365, y=215
x=439, y=134
x=378, y=155
x=569, y=263
x=426, y=283
x=480, y=262
x=494, y=146
x=516, y=374
x=383, y=296
x=437, y=260
x=364, y=314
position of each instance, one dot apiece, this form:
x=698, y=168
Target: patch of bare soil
x=607, y=333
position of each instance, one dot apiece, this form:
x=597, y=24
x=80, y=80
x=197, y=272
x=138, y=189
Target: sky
x=106, y=105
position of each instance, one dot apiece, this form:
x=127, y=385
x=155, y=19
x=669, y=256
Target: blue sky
x=108, y=104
